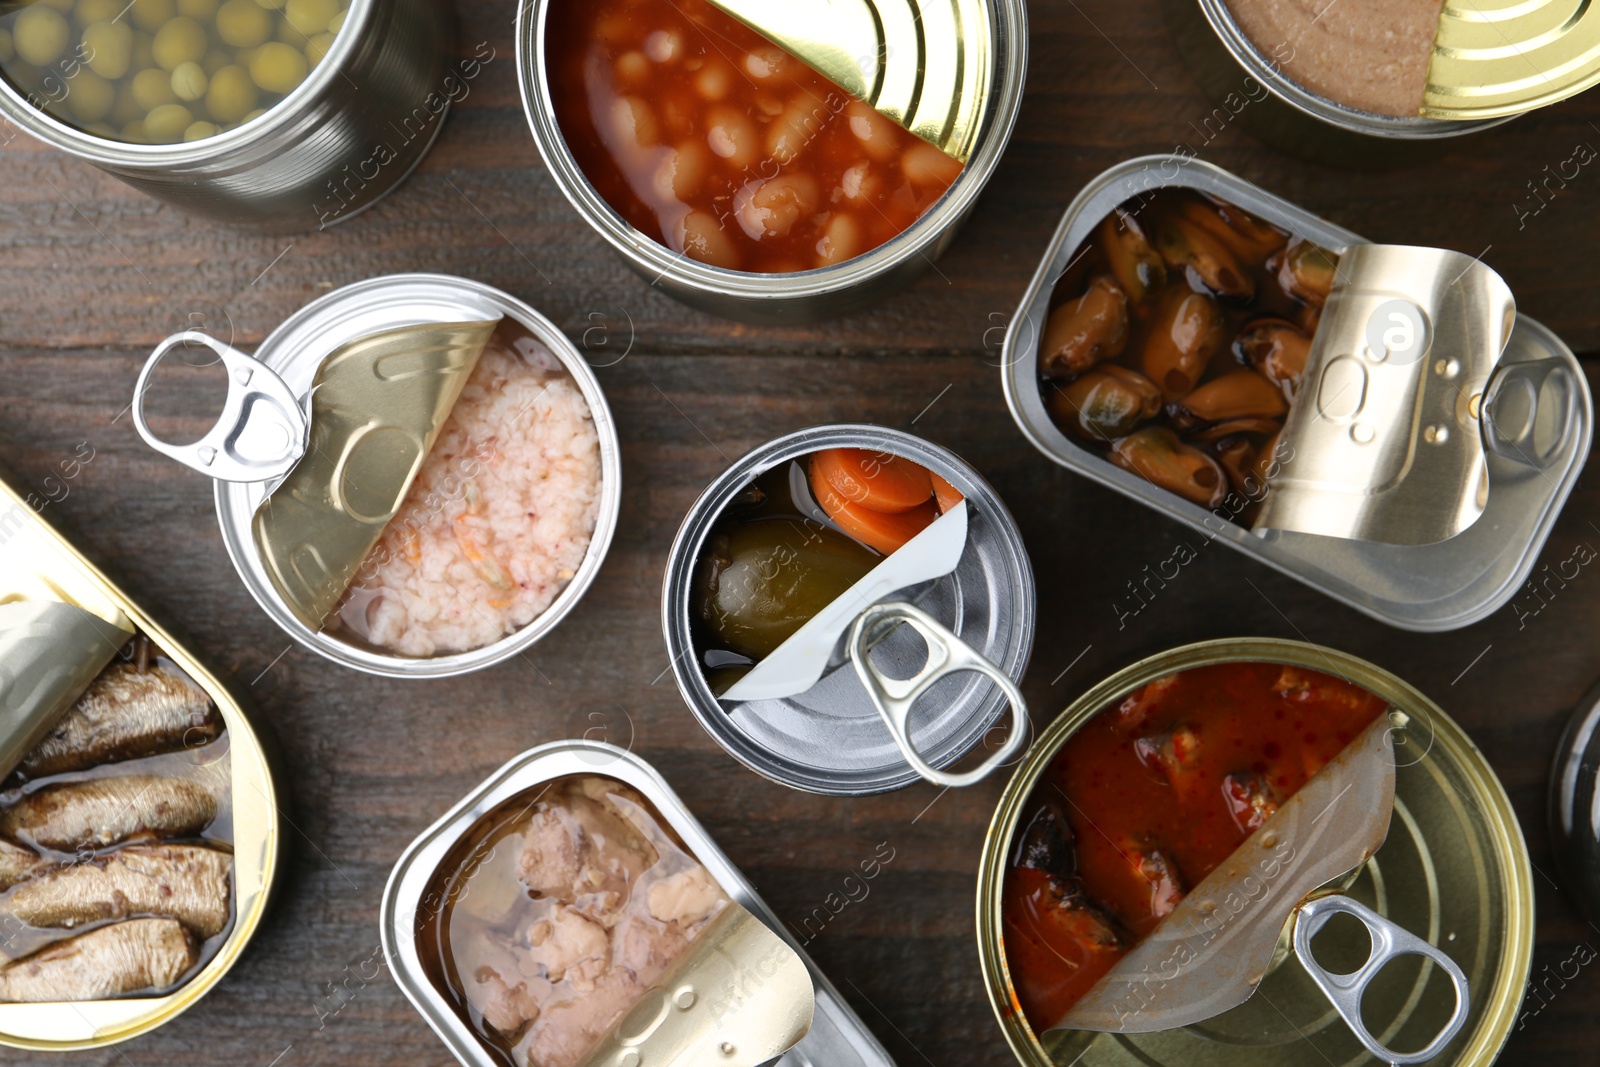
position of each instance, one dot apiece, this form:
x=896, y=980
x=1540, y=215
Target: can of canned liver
x=176, y=734
x=969, y=55
x=829, y=738
x=1454, y=869
x=1535, y=435
x=463, y=851
x=350, y=132
x=272, y=563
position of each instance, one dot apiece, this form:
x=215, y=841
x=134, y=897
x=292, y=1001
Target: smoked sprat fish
x=185, y=882
x=105, y=962
x=16, y=863
x=104, y=811
x=126, y=714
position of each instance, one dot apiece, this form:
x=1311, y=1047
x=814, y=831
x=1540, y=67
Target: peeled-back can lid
x=1504, y=57
x=922, y=63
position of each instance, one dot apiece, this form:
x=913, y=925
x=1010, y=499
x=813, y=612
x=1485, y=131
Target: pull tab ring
x=261, y=433
x=947, y=655
x=1389, y=941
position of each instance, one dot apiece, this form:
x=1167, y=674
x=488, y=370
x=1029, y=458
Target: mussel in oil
x=1084, y=331
x=1137, y=266
x=1105, y=403
x=1206, y=261
x=1244, y=394
x=1156, y=455
x=1277, y=349
x=1187, y=331
x=1306, y=271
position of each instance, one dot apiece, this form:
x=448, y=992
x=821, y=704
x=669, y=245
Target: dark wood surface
x=93, y=274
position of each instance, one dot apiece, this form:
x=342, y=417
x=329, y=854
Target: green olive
x=110, y=48
x=199, y=131
x=243, y=23
x=278, y=68
x=152, y=88
x=232, y=94
x=205, y=10
x=760, y=581
x=189, y=82
x=310, y=17
x=91, y=97
x=41, y=35
x=166, y=124
x=151, y=15
x=180, y=41
x=89, y=12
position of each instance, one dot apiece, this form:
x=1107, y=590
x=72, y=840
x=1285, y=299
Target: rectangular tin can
x=29, y=545
x=1454, y=869
x=1437, y=587
x=838, y=1038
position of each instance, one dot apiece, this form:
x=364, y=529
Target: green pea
x=91, y=11
x=134, y=132
x=8, y=51
x=310, y=17
x=232, y=95
x=317, y=48
x=257, y=113
x=199, y=131
x=165, y=124
x=151, y=15
x=41, y=35
x=127, y=108
x=152, y=87
x=110, y=48
x=183, y=40
x=63, y=6
x=91, y=97
x=243, y=23
x=337, y=22
x=278, y=68
x=189, y=82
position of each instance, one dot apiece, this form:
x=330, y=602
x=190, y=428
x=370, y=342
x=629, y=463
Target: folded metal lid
x=1503, y=57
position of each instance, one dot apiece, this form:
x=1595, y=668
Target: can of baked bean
x=761, y=550
x=746, y=182
x=1244, y=367
x=447, y=510
x=288, y=120
x=1453, y=869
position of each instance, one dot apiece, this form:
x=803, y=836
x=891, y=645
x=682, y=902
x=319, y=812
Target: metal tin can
x=1434, y=587
x=838, y=1037
x=346, y=136
x=829, y=739
x=1454, y=868
x=29, y=543
x=805, y=295
x=296, y=349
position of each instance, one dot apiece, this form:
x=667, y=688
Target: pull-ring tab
x=947, y=655
x=1389, y=942
x=262, y=431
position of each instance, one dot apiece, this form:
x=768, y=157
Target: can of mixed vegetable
x=1374, y=420
x=417, y=475
x=1175, y=761
x=643, y=970
x=799, y=531
x=140, y=817
x=773, y=162
x=283, y=120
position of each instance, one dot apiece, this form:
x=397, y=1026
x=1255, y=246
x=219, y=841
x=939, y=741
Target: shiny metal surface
x=1436, y=587
x=1505, y=57
x=830, y=739
x=806, y=295
x=837, y=1037
x=346, y=136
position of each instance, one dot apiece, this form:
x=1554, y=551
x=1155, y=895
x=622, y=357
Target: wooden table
x=92, y=275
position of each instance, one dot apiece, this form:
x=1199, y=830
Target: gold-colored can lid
x=923, y=63
x=1493, y=58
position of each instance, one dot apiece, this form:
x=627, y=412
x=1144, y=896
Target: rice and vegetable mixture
x=499, y=517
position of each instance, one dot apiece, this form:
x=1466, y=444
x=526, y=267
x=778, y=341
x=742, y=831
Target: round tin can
x=296, y=349
x=829, y=739
x=804, y=295
x=256, y=802
x=346, y=136
x=1454, y=869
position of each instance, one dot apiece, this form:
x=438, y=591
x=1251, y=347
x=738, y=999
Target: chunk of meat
x=647, y=947
x=1176, y=754
x=184, y=882
x=1251, y=800
x=567, y=1031
x=505, y=1007
x=1156, y=866
x=567, y=945
x=125, y=957
x=1138, y=709
x=686, y=898
x=584, y=854
x=104, y=811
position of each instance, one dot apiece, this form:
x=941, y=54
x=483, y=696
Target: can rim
x=1516, y=871
x=240, y=544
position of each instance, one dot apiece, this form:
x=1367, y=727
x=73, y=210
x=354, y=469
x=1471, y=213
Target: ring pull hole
x=185, y=393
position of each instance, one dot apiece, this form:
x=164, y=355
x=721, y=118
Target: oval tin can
x=1433, y=587
x=345, y=137
x=30, y=544
x=1453, y=869
x=829, y=291
x=829, y=739
x=837, y=1038
x=297, y=348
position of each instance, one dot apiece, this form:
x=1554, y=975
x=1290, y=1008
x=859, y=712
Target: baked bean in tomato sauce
x=712, y=140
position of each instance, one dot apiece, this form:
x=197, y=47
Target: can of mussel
x=773, y=162
x=1374, y=420
x=831, y=736
x=139, y=812
x=1453, y=869
x=441, y=477
x=279, y=123
x=457, y=915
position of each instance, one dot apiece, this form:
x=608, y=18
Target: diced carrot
x=947, y=495
x=881, y=481
x=875, y=529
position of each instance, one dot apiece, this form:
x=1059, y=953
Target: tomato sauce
x=1146, y=800
x=722, y=146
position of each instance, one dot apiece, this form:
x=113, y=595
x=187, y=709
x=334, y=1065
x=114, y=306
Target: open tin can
x=201, y=743
x=350, y=132
x=326, y=428
x=415, y=895
x=950, y=70
x=915, y=702
x=1453, y=869
x=1402, y=539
